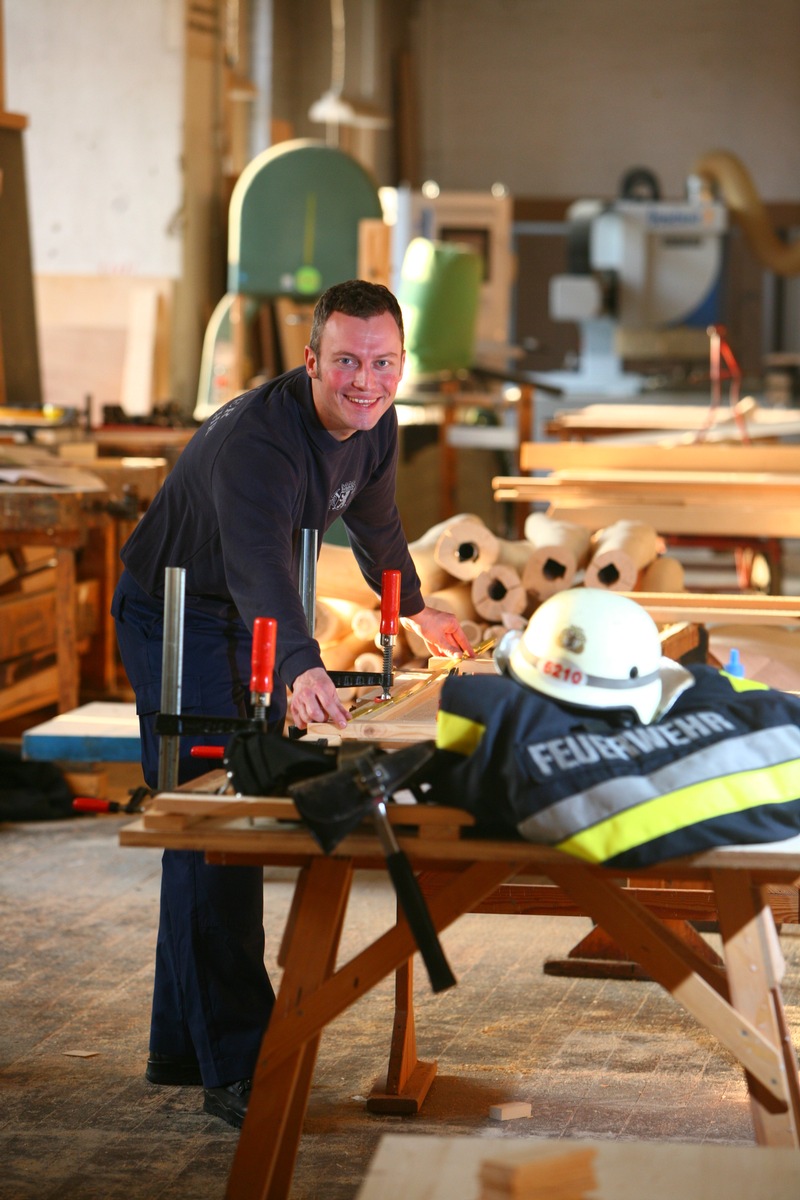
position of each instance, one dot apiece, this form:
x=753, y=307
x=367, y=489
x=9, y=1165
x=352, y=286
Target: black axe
x=333, y=804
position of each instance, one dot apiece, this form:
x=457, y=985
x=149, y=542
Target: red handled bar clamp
x=262, y=665
x=390, y=622
x=390, y=619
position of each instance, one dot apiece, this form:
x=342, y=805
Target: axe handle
x=413, y=904
x=419, y=920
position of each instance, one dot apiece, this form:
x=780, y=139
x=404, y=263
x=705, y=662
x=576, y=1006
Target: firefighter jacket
x=722, y=766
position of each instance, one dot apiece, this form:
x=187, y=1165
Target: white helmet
x=594, y=649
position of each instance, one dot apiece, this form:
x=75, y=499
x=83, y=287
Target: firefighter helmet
x=594, y=649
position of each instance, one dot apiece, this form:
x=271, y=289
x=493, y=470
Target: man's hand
x=314, y=698
x=440, y=631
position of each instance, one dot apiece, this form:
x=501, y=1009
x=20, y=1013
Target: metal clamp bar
x=171, y=673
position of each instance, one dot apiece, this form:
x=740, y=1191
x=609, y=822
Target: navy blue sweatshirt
x=257, y=472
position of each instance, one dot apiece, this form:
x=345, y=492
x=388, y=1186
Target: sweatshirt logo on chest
x=341, y=496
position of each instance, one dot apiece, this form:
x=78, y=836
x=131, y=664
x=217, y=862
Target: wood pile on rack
x=28, y=620
x=492, y=584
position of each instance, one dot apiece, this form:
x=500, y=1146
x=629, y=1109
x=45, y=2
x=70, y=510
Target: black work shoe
x=229, y=1102
x=174, y=1069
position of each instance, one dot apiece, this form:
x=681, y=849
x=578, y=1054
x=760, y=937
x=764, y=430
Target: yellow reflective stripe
x=458, y=734
x=744, y=685
x=684, y=807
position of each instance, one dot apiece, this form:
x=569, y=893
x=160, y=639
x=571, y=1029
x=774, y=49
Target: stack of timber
x=491, y=584
x=63, y=519
x=29, y=676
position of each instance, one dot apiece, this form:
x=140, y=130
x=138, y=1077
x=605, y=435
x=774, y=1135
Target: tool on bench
x=390, y=617
x=262, y=665
x=332, y=805
x=96, y=804
x=170, y=723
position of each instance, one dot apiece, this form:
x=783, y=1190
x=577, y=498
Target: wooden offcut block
x=511, y=1110
x=566, y=1176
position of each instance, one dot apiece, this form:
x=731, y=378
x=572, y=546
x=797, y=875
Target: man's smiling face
x=356, y=374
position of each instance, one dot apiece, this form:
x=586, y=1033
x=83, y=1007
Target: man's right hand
x=314, y=699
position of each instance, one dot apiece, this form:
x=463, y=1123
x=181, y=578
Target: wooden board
x=20, y=357
x=97, y=732
x=712, y=608
x=604, y=419
x=414, y=1167
x=410, y=716
x=567, y=456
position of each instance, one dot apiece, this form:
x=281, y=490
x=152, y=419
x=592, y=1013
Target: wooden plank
x=773, y=863
x=17, y=304
x=719, y=608
x=568, y=456
x=718, y=520
x=66, y=630
x=27, y=623
x=596, y=419
x=656, y=486
x=411, y=1166
x=38, y=690
x=137, y=388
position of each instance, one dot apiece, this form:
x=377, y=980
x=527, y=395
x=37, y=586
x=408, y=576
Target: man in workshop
x=317, y=443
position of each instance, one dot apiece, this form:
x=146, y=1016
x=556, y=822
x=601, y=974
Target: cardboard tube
x=338, y=575
x=366, y=622
x=341, y=655
x=456, y=599
x=330, y=625
x=432, y=576
x=473, y=631
x=369, y=661
x=664, y=574
x=466, y=547
x=514, y=554
x=497, y=590
x=558, y=550
x=620, y=553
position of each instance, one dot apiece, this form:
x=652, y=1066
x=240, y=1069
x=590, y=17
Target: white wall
x=560, y=97
x=101, y=81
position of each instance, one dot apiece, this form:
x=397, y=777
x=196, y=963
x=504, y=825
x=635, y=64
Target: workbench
x=741, y=1006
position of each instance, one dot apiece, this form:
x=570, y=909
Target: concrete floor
x=595, y=1058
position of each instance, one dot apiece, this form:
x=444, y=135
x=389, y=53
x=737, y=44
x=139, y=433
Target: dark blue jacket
x=257, y=472
x=721, y=767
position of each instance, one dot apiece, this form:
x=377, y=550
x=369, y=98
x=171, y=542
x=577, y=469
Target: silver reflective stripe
x=565, y=818
x=601, y=681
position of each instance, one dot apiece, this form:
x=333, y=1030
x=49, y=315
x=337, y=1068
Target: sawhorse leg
x=703, y=990
x=264, y=1161
x=755, y=969
x=311, y=995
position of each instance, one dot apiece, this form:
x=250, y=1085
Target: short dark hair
x=354, y=298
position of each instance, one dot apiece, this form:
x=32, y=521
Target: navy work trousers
x=212, y=995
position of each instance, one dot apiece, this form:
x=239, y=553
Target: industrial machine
x=636, y=265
